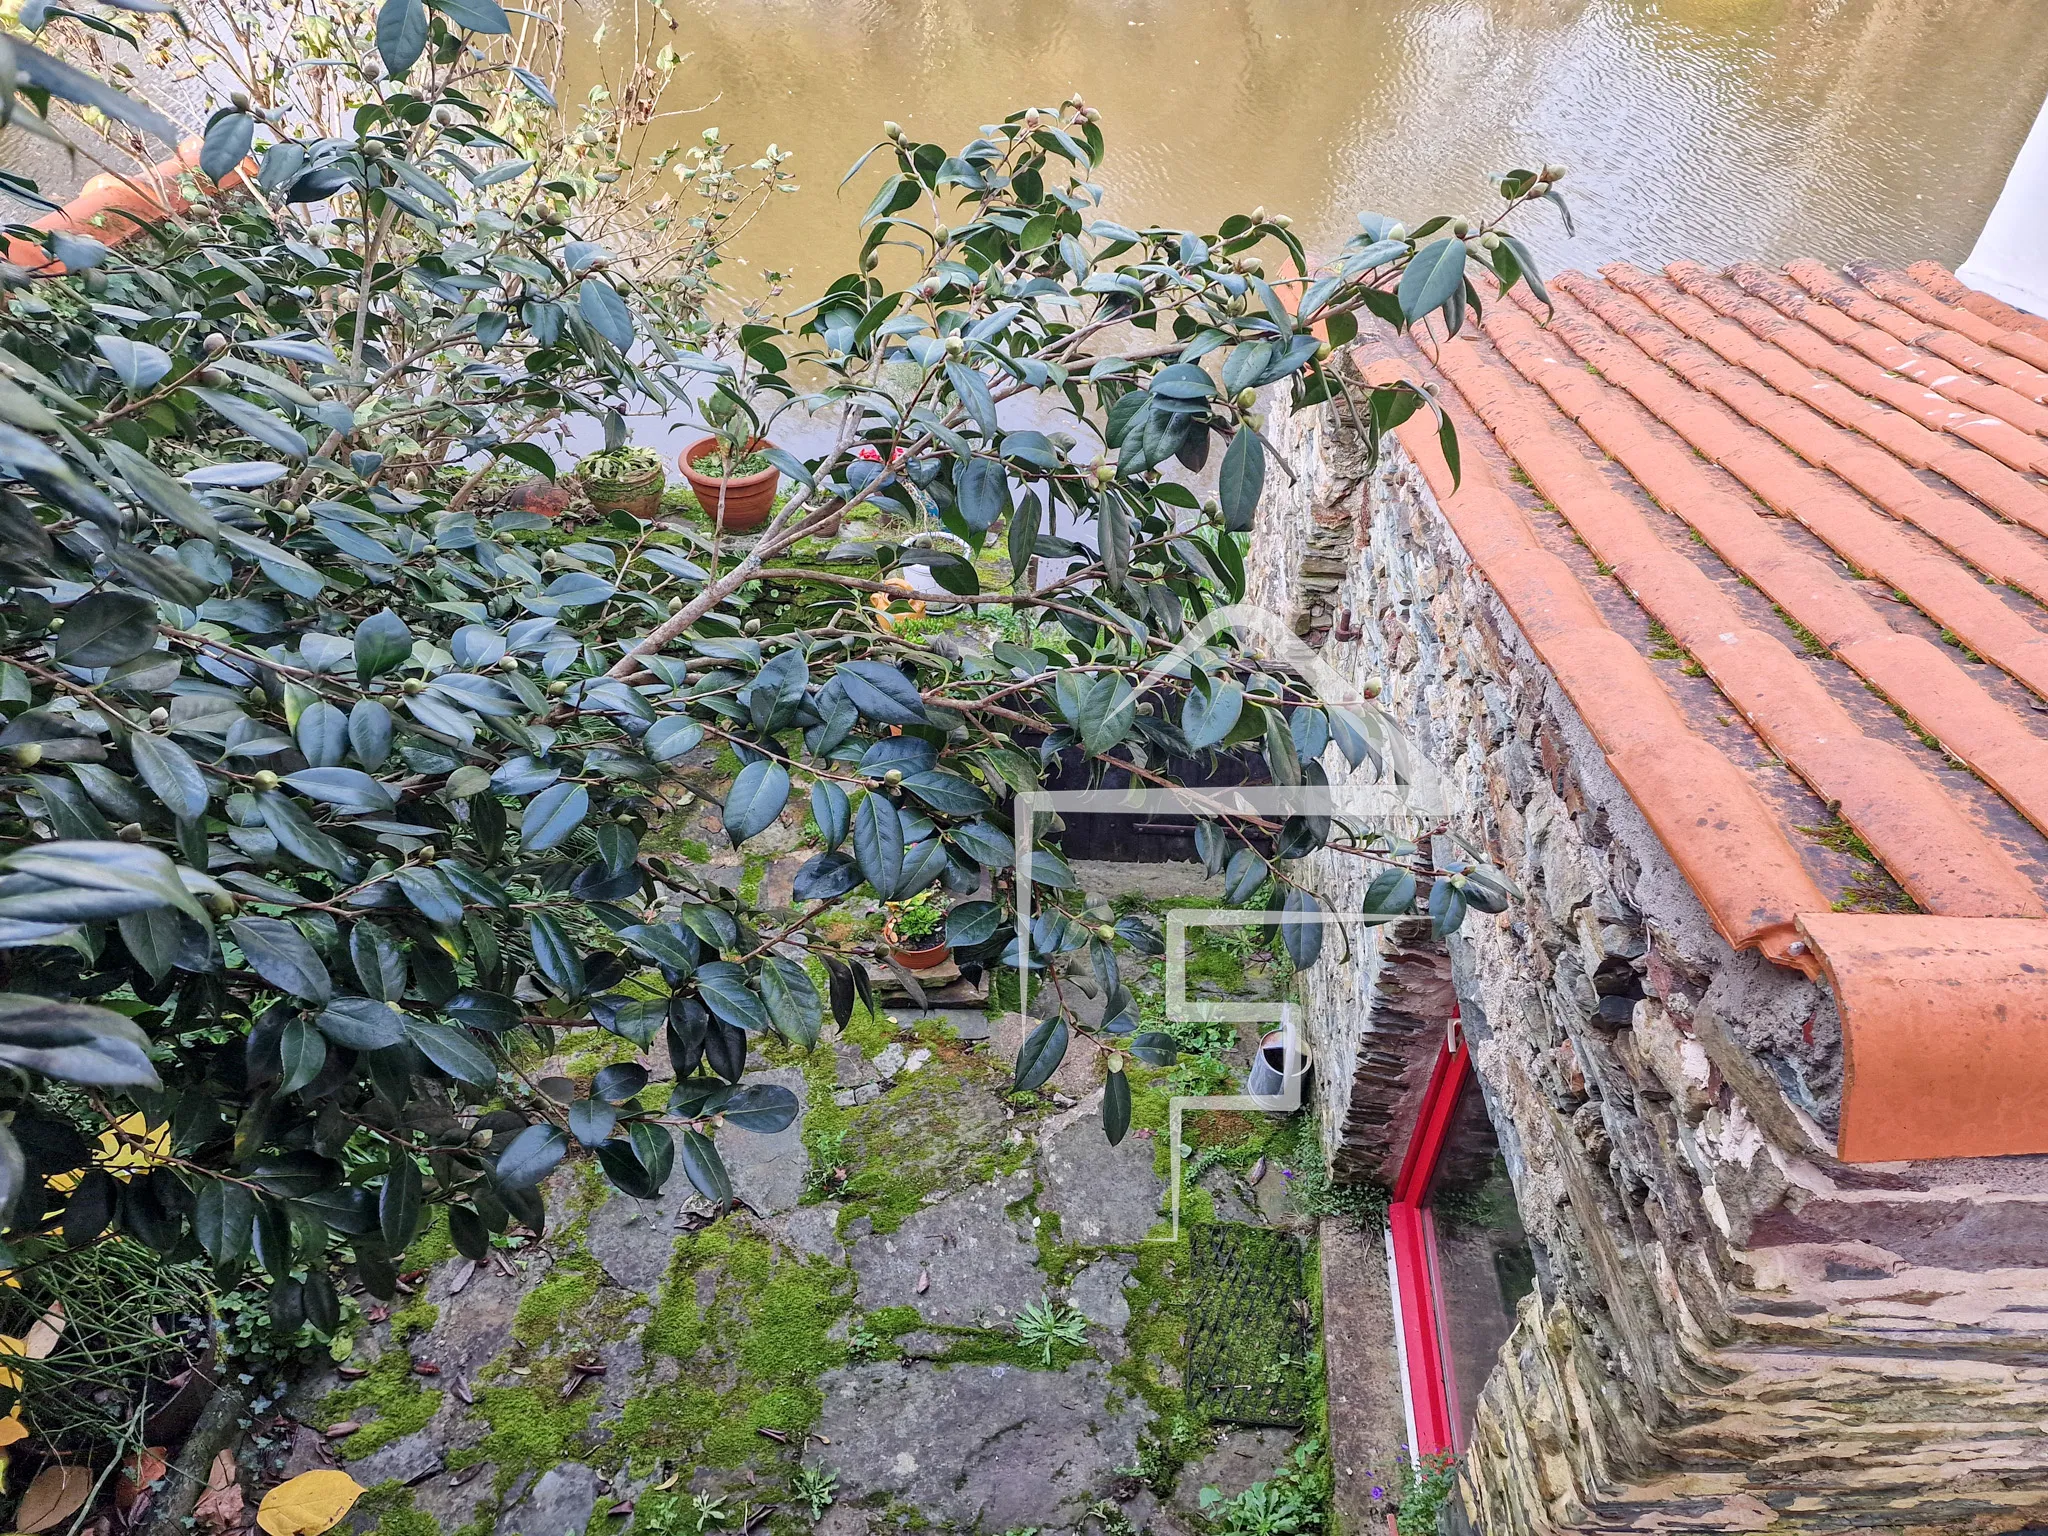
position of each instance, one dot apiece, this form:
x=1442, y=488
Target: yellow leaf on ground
x=12, y=1429
x=44, y=1333
x=55, y=1496
x=308, y=1504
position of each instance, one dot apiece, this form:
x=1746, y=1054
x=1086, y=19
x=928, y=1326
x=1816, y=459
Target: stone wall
x=1731, y=1330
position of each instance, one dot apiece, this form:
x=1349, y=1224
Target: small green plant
x=1290, y=1503
x=814, y=1488
x=672, y=1515
x=1046, y=1323
x=1421, y=1490
x=915, y=921
x=1110, y=1515
x=615, y=466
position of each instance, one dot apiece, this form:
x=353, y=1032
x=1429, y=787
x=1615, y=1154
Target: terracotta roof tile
x=1944, y=285
x=1805, y=484
x=2001, y=362
x=1885, y=350
x=1708, y=815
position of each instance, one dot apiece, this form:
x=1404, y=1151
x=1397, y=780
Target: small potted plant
x=916, y=932
x=734, y=482
x=623, y=480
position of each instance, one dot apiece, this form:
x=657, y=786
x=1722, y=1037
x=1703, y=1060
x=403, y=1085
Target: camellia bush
x=328, y=782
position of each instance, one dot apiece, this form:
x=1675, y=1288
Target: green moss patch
x=390, y=1403
x=748, y=1324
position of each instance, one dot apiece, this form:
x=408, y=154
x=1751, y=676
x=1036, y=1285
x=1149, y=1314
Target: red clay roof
x=1783, y=539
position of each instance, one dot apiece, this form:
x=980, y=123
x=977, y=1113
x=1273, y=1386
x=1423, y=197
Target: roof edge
x=1944, y=1033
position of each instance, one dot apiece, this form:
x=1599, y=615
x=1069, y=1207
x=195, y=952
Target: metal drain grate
x=1249, y=1338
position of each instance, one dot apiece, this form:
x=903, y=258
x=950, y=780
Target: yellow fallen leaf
x=44, y=1333
x=308, y=1504
x=12, y=1429
x=55, y=1496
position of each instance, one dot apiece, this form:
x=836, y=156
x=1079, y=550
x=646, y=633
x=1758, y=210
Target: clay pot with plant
x=729, y=471
x=623, y=480
x=915, y=932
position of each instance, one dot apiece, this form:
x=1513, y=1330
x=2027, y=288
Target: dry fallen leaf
x=308, y=1504
x=44, y=1332
x=55, y=1496
x=924, y=1281
x=138, y=1470
x=221, y=1507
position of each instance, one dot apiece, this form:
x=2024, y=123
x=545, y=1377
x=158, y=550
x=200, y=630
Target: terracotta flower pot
x=638, y=494
x=919, y=954
x=744, y=502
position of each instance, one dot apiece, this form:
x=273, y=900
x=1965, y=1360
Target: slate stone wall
x=1731, y=1331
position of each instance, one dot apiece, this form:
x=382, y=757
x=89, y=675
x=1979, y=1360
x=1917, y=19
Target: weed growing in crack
x=1046, y=1323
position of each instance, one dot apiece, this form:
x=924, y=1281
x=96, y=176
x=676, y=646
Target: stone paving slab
x=1104, y=1195
x=973, y=1447
x=977, y=1261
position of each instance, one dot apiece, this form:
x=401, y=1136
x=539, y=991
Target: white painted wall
x=2010, y=259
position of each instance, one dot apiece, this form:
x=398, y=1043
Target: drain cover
x=1249, y=1340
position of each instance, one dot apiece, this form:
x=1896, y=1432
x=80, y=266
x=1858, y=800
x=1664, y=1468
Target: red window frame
x=1430, y=1376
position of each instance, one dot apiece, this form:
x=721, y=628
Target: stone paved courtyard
x=850, y=1327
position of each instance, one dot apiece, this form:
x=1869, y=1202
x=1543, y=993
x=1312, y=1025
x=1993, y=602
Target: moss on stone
x=390, y=1403
x=568, y=1292
x=387, y=1510
x=433, y=1246
x=749, y=1323
x=532, y=1426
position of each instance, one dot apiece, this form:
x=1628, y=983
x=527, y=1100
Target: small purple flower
x=1286, y=1173
x=1378, y=1492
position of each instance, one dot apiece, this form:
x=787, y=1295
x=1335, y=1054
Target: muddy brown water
x=1711, y=129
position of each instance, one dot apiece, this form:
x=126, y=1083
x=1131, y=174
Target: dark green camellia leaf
x=378, y=960
x=1154, y=1048
x=1242, y=480
x=972, y=923
x=1434, y=274
x=323, y=1306
x=74, y=1042
x=619, y=1082
x=983, y=493
x=279, y=953
x=1304, y=940
x=170, y=773
x=1116, y=1106
x=605, y=312
x=878, y=844
x=467, y=1231
x=881, y=692
x=791, y=1000
x=552, y=815
x=531, y=1156
x=382, y=641
x=13, y=1171
x=591, y=1121
x=453, y=1052
x=756, y=798
x=362, y=1023
x=723, y=986
x=484, y=16
x=1446, y=908
x=90, y=1210
x=1043, y=1051
x=830, y=811
x=656, y=1149
x=826, y=876
x=138, y=364
x=704, y=1168
x=398, y=1203
x=558, y=958
x=221, y=1219
x=304, y=1050
x=762, y=1107
x=1391, y=894
x=106, y=629
x=401, y=34
x=226, y=145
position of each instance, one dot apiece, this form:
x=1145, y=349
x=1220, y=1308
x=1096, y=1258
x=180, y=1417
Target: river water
x=1710, y=129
